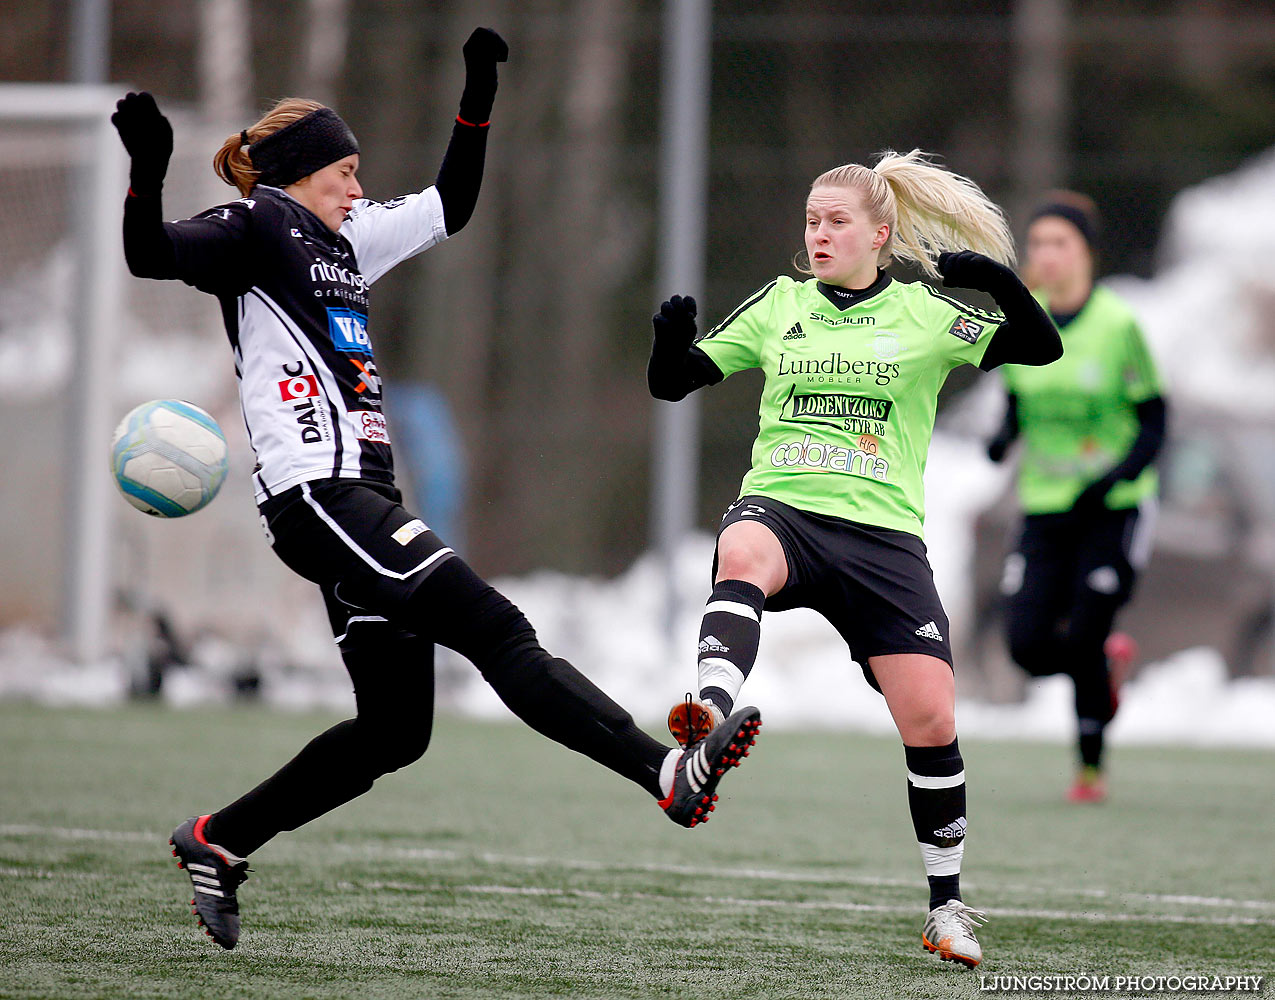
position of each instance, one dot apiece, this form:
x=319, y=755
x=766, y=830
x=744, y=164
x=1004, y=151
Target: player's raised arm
x=677, y=368
x=1028, y=336
x=206, y=251
x=148, y=138
x=461, y=173
x=385, y=234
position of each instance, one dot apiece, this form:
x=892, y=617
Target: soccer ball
x=169, y=458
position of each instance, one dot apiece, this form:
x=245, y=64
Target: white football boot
x=949, y=933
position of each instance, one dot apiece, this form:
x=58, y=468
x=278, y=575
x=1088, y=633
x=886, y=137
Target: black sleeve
x=148, y=251
x=461, y=174
x=1027, y=337
x=208, y=251
x=676, y=377
x=999, y=444
x=1152, y=424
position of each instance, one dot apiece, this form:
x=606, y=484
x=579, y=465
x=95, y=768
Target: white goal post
x=98, y=185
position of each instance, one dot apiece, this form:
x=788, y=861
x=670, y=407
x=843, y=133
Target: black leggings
x=387, y=620
x=1064, y=586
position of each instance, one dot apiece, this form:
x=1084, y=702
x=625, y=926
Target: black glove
x=148, y=137
x=997, y=447
x=484, y=49
x=967, y=269
x=674, y=326
x=1092, y=499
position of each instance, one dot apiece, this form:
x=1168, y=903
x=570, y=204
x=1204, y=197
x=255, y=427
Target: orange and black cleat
x=690, y=721
x=705, y=762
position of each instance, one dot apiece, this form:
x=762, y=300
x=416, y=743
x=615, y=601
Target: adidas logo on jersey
x=795, y=333
x=954, y=830
x=930, y=631
x=712, y=644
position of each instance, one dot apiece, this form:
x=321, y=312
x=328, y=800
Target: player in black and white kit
x=292, y=263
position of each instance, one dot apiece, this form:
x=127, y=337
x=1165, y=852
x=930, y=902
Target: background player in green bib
x=1091, y=425
x=830, y=514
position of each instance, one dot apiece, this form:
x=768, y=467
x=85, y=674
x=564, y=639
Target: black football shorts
x=873, y=584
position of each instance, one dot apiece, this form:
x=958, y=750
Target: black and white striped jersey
x=294, y=297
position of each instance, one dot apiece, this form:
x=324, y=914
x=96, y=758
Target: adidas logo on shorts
x=930, y=631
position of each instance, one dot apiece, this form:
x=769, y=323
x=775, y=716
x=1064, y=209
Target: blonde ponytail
x=233, y=164
x=928, y=209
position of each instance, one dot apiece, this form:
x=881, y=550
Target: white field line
x=1091, y=916
x=377, y=852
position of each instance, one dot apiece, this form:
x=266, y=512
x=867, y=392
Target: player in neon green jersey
x=830, y=514
x=1091, y=425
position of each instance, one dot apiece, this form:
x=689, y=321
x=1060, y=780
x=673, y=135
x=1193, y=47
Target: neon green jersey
x=848, y=406
x=1077, y=416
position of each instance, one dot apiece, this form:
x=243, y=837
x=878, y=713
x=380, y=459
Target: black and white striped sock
x=936, y=798
x=728, y=641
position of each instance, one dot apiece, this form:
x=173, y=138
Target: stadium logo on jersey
x=843, y=320
x=298, y=387
x=369, y=426
x=795, y=333
x=349, y=331
x=966, y=329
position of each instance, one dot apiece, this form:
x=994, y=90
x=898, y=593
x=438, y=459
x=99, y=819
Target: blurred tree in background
x=535, y=321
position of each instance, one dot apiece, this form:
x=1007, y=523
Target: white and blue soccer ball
x=169, y=457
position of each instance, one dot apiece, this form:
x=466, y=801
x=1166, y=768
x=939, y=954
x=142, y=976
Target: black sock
x=1090, y=740
x=728, y=640
x=936, y=799
x=1093, y=703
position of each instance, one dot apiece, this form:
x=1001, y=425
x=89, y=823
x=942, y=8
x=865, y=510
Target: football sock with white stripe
x=728, y=640
x=936, y=798
x=668, y=770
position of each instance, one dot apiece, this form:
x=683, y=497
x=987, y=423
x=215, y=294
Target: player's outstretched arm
x=677, y=368
x=148, y=139
x=1028, y=336
x=461, y=173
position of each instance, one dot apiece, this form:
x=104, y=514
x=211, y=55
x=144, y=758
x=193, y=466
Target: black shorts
x=873, y=584
x=354, y=538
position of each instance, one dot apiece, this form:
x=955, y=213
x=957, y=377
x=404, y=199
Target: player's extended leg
x=751, y=566
x=921, y=694
x=393, y=680
x=457, y=608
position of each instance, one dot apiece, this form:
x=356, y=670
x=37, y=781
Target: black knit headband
x=1072, y=214
x=299, y=149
